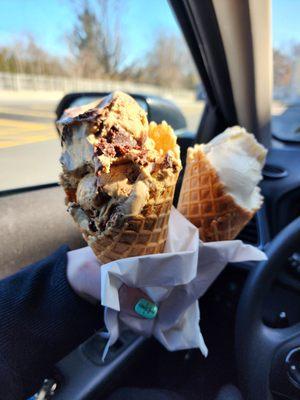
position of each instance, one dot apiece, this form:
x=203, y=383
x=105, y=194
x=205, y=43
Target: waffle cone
x=204, y=201
x=119, y=173
x=139, y=235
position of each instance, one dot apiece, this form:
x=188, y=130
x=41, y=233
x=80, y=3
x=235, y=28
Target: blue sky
x=286, y=26
x=50, y=20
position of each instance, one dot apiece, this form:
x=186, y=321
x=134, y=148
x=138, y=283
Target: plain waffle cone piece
x=139, y=235
x=205, y=203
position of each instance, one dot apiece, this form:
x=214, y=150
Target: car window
x=48, y=49
x=286, y=70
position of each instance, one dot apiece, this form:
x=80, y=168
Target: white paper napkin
x=174, y=280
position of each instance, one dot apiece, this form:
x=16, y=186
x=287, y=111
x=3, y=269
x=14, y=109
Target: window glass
x=50, y=48
x=286, y=70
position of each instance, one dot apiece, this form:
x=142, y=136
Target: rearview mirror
x=157, y=108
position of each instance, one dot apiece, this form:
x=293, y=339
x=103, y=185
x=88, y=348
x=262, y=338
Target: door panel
x=34, y=224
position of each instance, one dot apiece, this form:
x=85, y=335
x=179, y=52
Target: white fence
x=21, y=82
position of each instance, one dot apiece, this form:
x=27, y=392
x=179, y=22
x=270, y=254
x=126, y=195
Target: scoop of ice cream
x=238, y=159
x=106, y=128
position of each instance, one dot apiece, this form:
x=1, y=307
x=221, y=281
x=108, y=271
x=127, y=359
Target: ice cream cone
x=205, y=203
x=119, y=176
x=220, y=192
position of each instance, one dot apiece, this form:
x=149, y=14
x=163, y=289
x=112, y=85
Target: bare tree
x=168, y=63
x=26, y=56
x=96, y=42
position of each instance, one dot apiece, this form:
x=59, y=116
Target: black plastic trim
x=272, y=171
x=200, y=28
x=10, y=192
x=183, y=19
x=80, y=377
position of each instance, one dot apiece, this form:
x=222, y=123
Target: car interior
x=250, y=316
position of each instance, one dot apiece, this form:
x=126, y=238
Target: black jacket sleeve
x=41, y=321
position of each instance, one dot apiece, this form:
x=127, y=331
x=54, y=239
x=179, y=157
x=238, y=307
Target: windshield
x=49, y=49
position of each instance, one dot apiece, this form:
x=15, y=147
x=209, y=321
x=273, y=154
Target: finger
x=83, y=273
x=91, y=279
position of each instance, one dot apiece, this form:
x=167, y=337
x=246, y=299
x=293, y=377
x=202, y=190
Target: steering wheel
x=268, y=359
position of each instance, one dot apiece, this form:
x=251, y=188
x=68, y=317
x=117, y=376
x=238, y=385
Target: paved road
x=25, y=121
x=29, y=149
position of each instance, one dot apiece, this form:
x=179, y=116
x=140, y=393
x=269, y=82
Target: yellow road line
x=22, y=124
x=8, y=143
x=15, y=132
x=20, y=135
x=19, y=111
x=7, y=129
x=26, y=139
